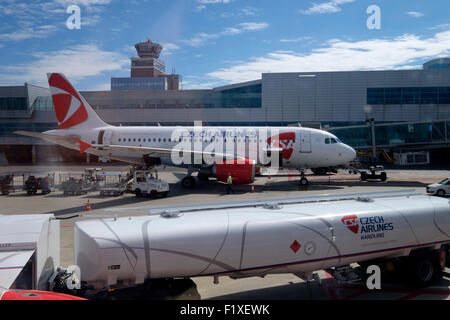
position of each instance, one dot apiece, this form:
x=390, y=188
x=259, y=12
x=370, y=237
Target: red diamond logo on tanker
x=351, y=222
x=295, y=246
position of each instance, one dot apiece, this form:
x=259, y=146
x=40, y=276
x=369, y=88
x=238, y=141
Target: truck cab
x=147, y=183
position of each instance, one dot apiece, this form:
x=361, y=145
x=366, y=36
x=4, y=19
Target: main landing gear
x=189, y=181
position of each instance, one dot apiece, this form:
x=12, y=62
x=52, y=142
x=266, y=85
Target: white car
x=441, y=189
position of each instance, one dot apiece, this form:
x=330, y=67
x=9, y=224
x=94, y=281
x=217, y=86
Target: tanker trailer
x=256, y=240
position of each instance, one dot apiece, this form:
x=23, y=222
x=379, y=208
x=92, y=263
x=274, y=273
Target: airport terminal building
x=409, y=109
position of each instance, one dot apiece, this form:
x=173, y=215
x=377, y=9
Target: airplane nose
x=351, y=153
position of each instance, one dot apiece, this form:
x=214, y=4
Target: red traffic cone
x=88, y=206
x=253, y=188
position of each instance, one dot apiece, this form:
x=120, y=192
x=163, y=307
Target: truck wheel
x=383, y=176
x=423, y=271
x=153, y=194
x=164, y=194
x=188, y=182
x=440, y=193
x=363, y=176
x=138, y=193
x=447, y=255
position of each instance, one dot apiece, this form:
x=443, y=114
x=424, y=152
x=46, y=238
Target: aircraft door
x=305, y=141
x=104, y=137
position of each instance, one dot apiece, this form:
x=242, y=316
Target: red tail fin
x=71, y=108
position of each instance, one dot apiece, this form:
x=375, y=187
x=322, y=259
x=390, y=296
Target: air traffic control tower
x=147, y=71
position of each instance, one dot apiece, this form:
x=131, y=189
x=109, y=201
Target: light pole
x=371, y=122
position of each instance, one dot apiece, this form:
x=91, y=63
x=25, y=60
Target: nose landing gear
x=303, y=181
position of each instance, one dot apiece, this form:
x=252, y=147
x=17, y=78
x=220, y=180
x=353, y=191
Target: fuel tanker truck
x=297, y=236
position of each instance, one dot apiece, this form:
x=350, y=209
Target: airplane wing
x=49, y=137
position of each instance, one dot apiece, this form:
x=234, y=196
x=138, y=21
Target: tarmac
x=282, y=184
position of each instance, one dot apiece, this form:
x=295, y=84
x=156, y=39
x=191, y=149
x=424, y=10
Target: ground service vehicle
x=74, y=183
x=372, y=175
x=146, y=183
x=6, y=183
x=39, y=181
x=256, y=238
x=441, y=188
x=112, y=184
x=94, y=177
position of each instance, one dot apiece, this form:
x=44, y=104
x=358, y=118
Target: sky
x=211, y=43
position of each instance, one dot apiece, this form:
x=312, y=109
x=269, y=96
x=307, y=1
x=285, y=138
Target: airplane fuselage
x=298, y=147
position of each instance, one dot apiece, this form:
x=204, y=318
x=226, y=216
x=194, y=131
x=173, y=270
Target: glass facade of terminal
x=420, y=95
x=148, y=83
x=395, y=134
x=13, y=104
x=42, y=103
x=242, y=97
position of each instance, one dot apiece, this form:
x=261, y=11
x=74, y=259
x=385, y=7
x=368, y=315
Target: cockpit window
x=333, y=140
x=327, y=140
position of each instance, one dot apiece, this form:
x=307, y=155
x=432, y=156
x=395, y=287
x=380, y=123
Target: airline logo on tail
x=69, y=108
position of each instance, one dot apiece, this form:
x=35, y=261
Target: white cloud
x=253, y=26
x=326, y=7
x=101, y=87
x=295, y=40
x=214, y=1
x=376, y=54
x=444, y=26
x=201, y=38
x=77, y=62
x=247, y=11
x=169, y=48
x=415, y=14
x=90, y=20
x=200, y=8
x=85, y=3
x=29, y=33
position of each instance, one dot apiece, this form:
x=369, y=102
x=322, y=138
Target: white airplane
x=80, y=128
